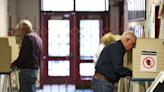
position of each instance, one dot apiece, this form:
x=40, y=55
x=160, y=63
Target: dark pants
x=27, y=79
x=101, y=85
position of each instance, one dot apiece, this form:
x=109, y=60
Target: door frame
x=74, y=77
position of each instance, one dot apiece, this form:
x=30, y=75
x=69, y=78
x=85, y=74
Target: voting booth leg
x=131, y=86
x=146, y=85
x=120, y=85
x=10, y=86
x=4, y=89
x=17, y=74
x=7, y=78
x=124, y=85
x=126, y=81
x=134, y=84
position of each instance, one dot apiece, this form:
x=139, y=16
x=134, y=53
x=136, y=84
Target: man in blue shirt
x=29, y=57
x=109, y=67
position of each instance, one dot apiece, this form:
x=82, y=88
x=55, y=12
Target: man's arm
x=24, y=52
x=117, y=62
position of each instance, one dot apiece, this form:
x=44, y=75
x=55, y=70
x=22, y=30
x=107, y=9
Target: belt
x=96, y=76
x=29, y=67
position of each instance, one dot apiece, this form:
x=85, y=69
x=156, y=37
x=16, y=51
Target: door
x=57, y=62
x=91, y=27
x=70, y=42
x=157, y=21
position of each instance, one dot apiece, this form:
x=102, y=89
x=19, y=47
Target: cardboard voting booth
x=147, y=59
x=9, y=51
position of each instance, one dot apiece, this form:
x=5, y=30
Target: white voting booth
x=146, y=60
x=9, y=52
x=143, y=58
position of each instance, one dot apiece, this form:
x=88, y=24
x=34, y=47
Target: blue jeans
x=101, y=85
x=27, y=79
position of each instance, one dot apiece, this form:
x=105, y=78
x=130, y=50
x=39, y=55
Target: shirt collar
x=29, y=32
x=122, y=46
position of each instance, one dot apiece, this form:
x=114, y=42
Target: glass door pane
x=86, y=69
x=91, y=5
x=89, y=42
x=58, y=68
x=58, y=38
x=57, y=5
x=89, y=38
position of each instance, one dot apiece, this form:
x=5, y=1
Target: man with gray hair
x=29, y=57
x=109, y=67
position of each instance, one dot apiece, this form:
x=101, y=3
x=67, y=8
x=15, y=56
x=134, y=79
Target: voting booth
x=9, y=51
x=147, y=59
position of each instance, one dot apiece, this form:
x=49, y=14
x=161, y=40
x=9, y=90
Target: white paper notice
x=148, y=61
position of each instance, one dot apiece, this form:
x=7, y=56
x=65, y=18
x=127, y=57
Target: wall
x=12, y=12
x=114, y=12
x=24, y=9
x=139, y=88
x=3, y=18
x=155, y=1
x=3, y=32
x=31, y=8
x=145, y=22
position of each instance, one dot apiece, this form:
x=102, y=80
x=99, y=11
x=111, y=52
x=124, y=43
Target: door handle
x=45, y=57
x=71, y=56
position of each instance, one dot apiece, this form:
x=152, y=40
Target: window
x=86, y=70
x=80, y=5
x=136, y=10
x=57, y=5
x=92, y=5
x=138, y=30
x=58, y=37
x=89, y=38
x=58, y=68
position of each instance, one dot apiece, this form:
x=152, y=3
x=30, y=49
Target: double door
x=70, y=42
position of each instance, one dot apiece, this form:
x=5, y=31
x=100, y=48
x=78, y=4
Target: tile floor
x=60, y=88
x=63, y=88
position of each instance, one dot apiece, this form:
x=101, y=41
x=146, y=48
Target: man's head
x=128, y=39
x=24, y=26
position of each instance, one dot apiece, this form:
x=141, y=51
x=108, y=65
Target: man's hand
x=129, y=77
x=11, y=65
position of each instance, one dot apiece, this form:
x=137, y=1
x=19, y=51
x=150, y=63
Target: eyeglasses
x=133, y=43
